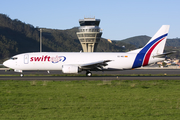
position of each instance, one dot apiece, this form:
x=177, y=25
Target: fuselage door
x=26, y=59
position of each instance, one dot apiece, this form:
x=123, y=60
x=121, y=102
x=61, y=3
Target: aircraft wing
x=95, y=65
x=164, y=54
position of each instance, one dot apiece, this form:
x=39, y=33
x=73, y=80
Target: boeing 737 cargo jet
x=75, y=62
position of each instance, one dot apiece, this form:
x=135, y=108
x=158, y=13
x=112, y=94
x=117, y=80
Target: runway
x=124, y=72
x=151, y=74
x=59, y=78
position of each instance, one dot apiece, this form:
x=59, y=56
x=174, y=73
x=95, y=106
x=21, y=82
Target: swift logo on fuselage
x=48, y=59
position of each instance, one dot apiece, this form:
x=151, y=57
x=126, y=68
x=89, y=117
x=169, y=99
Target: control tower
x=89, y=34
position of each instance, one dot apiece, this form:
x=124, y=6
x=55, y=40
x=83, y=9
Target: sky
x=120, y=19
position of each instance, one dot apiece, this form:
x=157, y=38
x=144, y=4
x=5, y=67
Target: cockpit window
x=14, y=58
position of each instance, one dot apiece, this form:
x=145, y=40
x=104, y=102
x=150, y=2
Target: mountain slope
x=140, y=41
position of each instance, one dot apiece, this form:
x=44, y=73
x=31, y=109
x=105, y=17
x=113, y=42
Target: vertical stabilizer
x=155, y=46
x=158, y=41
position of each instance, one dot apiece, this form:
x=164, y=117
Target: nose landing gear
x=21, y=75
x=88, y=74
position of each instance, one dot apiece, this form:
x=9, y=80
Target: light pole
x=40, y=39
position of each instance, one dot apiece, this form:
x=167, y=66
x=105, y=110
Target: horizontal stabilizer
x=164, y=54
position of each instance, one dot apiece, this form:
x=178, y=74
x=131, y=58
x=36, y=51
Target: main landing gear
x=88, y=74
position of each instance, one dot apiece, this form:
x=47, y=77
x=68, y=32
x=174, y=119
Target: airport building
x=89, y=34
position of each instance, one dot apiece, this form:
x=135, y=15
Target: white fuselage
x=74, y=62
x=55, y=60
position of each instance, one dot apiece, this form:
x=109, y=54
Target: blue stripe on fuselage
x=140, y=56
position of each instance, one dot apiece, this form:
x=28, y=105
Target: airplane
x=75, y=62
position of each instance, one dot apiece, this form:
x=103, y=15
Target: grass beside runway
x=99, y=100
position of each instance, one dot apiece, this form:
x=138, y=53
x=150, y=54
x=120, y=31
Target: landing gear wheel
x=88, y=74
x=21, y=75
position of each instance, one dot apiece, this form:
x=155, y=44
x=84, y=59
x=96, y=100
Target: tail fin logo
x=143, y=56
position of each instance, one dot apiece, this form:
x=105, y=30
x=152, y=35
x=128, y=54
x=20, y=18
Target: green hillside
x=140, y=41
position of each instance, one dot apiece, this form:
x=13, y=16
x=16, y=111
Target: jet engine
x=70, y=69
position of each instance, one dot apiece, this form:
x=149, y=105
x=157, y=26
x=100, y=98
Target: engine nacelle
x=70, y=69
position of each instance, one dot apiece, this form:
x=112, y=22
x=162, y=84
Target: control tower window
x=89, y=23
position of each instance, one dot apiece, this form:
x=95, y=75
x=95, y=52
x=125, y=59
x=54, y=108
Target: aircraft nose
x=5, y=63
